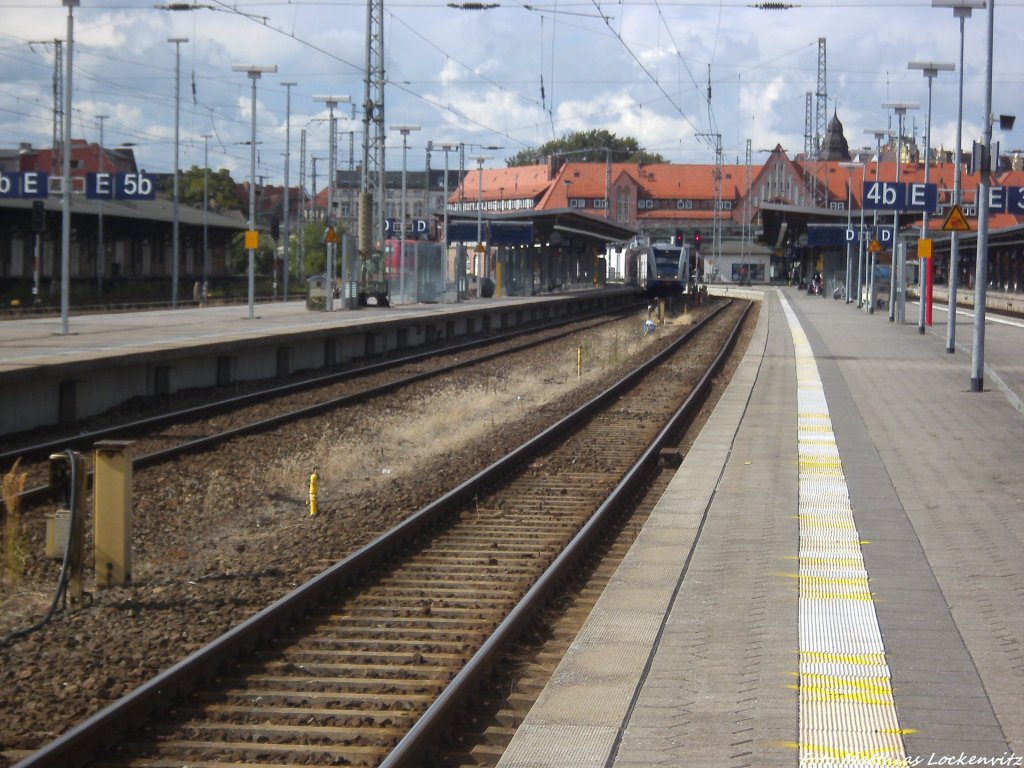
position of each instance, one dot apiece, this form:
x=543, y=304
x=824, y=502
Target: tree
x=223, y=191
x=587, y=147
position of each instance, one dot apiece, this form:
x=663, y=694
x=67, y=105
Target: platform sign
x=922, y=197
x=884, y=195
x=30, y=185
x=119, y=186
x=1015, y=200
x=897, y=196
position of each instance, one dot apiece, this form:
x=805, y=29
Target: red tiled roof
x=665, y=181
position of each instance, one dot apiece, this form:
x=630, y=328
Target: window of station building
x=577, y=202
x=623, y=205
x=600, y=203
x=645, y=204
x=684, y=205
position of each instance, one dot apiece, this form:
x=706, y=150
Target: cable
x=63, y=578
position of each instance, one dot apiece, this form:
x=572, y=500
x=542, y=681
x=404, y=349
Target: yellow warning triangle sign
x=874, y=246
x=330, y=235
x=955, y=221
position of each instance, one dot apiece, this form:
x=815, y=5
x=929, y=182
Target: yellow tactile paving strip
x=847, y=713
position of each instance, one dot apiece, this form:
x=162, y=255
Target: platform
x=49, y=377
x=834, y=576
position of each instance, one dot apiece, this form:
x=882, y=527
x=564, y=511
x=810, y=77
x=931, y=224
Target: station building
x=763, y=221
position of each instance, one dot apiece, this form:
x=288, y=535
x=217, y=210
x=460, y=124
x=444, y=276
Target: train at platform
x=666, y=270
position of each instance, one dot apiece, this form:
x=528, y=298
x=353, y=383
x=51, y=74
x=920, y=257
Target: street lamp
x=930, y=69
x=981, y=261
x=897, y=287
x=99, y=222
x=251, y=237
x=331, y=102
x=446, y=148
x=175, y=245
x=850, y=168
x=962, y=10
x=287, y=158
x=206, y=207
x=479, y=211
x=65, y=197
x=869, y=282
x=405, y=130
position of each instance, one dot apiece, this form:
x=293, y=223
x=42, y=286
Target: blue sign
x=893, y=196
x=1015, y=200
x=415, y=228
x=884, y=195
x=30, y=185
x=119, y=186
x=923, y=198
x=826, y=235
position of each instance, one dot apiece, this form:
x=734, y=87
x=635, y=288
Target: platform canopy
x=536, y=228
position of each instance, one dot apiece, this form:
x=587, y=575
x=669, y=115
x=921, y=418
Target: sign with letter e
x=119, y=186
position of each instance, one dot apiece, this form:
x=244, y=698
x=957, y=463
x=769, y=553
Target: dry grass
x=14, y=552
x=406, y=438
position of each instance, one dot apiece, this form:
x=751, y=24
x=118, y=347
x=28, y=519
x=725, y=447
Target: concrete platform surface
x=833, y=577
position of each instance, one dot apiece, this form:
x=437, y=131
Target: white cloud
x=508, y=76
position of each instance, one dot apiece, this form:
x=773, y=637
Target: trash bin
x=316, y=293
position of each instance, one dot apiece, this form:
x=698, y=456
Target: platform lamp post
x=981, y=261
x=930, y=69
x=962, y=10
x=897, y=308
x=479, y=212
x=446, y=148
x=850, y=168
x=254, y=71
x=175, y=241
x=405, y=130
x=65, y=196
x=206, y=208
x=869, y=282
x=287, y=202
x=99, y=217
x=331, y=102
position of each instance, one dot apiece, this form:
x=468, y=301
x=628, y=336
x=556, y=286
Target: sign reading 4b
x=892, y=196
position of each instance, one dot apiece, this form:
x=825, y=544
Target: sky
x=500, y=78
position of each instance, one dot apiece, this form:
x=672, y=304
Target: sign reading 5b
x=892, y=196
x=119, y=186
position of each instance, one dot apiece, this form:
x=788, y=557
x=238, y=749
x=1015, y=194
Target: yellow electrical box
x=252, y=240
x=112, y=513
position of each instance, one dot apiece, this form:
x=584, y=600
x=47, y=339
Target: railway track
x=363, y=663
x=167, y=435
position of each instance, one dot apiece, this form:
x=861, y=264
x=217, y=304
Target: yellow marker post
x=313, y=489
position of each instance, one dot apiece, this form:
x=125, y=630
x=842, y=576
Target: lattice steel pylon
x=820, y=124
x=716, y=228
x=810, y=151
x=373, y=182
x=57, y=147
